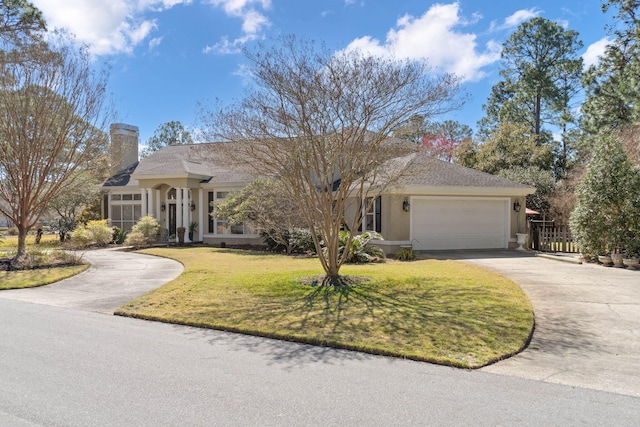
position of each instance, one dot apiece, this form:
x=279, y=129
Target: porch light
x=163, y=207
x=516, y=206
x=406, y=206
x=192, y=206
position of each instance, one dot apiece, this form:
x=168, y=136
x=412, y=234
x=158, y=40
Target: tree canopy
x=170, y=133
x=613, y=84
x=321, y=123
x=52, y=112
x=540, y=73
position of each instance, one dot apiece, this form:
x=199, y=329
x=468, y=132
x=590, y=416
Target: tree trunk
x=537, y=113
x=21, y=254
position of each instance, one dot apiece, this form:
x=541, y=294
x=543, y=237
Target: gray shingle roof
x=424, y=170
x=208, y=161
x=122, y=178
x=195, y=159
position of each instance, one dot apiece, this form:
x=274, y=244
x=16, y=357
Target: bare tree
x=321, y=123
x=52, y=107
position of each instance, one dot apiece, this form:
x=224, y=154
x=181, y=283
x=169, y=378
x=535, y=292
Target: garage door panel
x=439, y=224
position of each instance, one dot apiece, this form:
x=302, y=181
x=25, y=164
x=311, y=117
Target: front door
x=172, y=219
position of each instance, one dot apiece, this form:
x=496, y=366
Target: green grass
x=38, y=277
x=49, y=241
x=445, y=312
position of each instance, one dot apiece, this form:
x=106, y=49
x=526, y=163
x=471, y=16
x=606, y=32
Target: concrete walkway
x=587, y=321
x=114, y=278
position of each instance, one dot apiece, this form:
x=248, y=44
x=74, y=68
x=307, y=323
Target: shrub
x=96, y=233
x=119, y=235
x=136, y=239
x=302, y=240
x=606, y=216
x=405, y=254
x=100, y=232
x=145, y=232
x=360, y=251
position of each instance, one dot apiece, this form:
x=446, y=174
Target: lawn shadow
x=289, y=354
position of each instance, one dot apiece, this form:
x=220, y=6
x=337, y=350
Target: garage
x=441, y=223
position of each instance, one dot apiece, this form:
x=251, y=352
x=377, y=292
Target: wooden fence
x=547, y=237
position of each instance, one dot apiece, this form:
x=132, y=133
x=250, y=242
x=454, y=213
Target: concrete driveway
x=114, y=278
x=587, y=321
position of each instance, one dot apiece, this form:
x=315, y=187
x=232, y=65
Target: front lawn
x=444, y=312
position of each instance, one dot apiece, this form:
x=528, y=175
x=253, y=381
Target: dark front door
x=172, y=219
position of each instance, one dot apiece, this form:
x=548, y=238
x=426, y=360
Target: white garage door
x=439, y=223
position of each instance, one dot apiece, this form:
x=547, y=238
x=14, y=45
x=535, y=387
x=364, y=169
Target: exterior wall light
x=406, y=206
x=192, y=206
x=163, y=207
x=516, y=206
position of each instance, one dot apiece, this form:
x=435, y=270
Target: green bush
x=94, y=233
x=100, y=231
x=405, y=254
x=136, y=239
x=119, y=235
x=606, y=218
x=360, y=251
x=144, y=232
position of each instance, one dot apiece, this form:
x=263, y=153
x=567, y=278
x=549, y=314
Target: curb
x=560, y=258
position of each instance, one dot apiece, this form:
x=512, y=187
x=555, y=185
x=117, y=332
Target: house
x=442, y=206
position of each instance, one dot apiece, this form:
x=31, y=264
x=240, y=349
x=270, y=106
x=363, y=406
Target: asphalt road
x=61, y=366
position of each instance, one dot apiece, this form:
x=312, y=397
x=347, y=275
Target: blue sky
x=169, y=55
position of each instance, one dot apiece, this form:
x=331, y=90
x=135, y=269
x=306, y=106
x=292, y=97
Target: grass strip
x=38, y=277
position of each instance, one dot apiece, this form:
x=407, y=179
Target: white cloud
x=108, y=27
x=434, y=36
x=154, y=43
x=519, y=17
x=594, y=51
x=253, y=22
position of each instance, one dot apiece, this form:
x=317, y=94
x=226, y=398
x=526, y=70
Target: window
x=125, y=209
x=372, y=220
x=211, y=226
x=220, y=226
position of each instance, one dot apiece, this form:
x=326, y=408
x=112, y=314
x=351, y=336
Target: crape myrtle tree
x=320, y=122
x=52, y=106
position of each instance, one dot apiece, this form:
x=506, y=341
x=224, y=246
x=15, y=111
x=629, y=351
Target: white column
x=201, y=212
x=151, y=206
x=143, y=195
x=185, y=213
x=158, y=203
x=178, y=208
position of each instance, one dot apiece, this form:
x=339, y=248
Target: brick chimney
x=124, y=146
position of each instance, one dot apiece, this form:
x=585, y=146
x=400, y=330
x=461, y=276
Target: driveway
x=587, y=317
x=114, y=278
